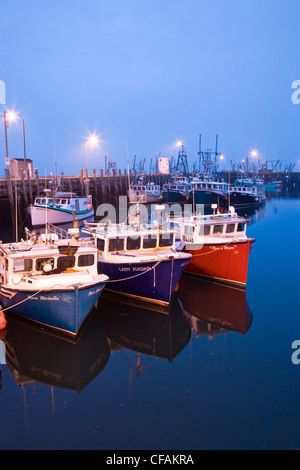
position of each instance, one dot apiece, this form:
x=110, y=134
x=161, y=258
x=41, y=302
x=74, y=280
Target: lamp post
x=6, y=145
x=12, y=116
x=92, y=139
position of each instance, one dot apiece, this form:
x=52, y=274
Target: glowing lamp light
x=11, y=116
x=93, y=139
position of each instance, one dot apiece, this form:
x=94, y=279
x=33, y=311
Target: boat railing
x=58, y=231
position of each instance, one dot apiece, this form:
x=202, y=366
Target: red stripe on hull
x=227, y=262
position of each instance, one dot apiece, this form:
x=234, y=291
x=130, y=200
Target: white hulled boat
x=60, y=209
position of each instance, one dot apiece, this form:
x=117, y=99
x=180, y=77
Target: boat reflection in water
x=213, y=307
x=34, y=353
x=145, y=328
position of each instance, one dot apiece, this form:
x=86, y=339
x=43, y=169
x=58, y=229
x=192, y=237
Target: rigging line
x=24, y=300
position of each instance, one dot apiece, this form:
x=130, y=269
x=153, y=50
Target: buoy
x=2, y=321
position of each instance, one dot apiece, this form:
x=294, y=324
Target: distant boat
x=60, y=209
x=141, y=192
x=273, y=185
x=51, y=281
x=207, y=189
x=218, y=243
x=141, y=262
x=247, y=192
x=177, y=190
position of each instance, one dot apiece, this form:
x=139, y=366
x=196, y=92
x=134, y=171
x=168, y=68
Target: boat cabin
x=210, y=186
x=65, y=201
x=113, y=239
x=193, y=228
x=48, y=256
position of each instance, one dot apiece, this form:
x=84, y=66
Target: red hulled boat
x=218, y=243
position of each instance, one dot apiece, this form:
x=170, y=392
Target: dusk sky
x=144, y=73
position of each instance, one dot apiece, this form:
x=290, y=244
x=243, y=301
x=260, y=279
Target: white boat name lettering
x=42, y=297
x=226, y=247
x=135, y=268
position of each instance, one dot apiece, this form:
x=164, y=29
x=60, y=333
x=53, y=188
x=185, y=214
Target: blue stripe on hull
x=154, y=285
x=63, y=310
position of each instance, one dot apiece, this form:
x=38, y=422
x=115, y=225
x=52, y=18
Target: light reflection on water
x=214, y=374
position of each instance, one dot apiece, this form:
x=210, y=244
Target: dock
x=105, y=187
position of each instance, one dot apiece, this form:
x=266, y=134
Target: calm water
x=215, y=374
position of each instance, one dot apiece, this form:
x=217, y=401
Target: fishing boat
x=141, y=192
x=218, y=243
x=60, y=208
x=247, y=192
x=177, y=190
x=208, y=190
x=49, y=280
x=140, y=261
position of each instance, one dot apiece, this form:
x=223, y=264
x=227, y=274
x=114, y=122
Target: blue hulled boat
x=177, y=190
x=51, y=281
x=140, y=262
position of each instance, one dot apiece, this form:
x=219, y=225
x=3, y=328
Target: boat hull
x=40, y=216
x=151, y=281
x=226, y=262
x=208, y=198
x=61, y=309
x=238, y=200
x=175, y=196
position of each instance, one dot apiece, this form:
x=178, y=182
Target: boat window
x=230, y=228
x=22, y=264
x=206, y=229
x=166, y=239
x=100, y=244
x=86, y=260
x=65, y=262
x=40, y=263
x=63, y=201
x=209, y=186
x=133, y=243
x=50, y=201
x=116, y=244
x=241, y=227
x=149, y=241
x=189, y=229
x=218, y=228
x=56, y=201
x=43, y=201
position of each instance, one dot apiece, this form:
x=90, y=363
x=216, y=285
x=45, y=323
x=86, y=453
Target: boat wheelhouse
x=60, y=208
x=207, y=191
x=51, y=281
x=218, y=243
x=144, y=193
x=141, y=262
x=177, y=190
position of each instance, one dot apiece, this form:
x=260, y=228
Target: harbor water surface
x=218, y=372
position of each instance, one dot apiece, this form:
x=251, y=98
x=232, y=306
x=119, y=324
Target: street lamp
x=93, y=140
x=12, y=116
